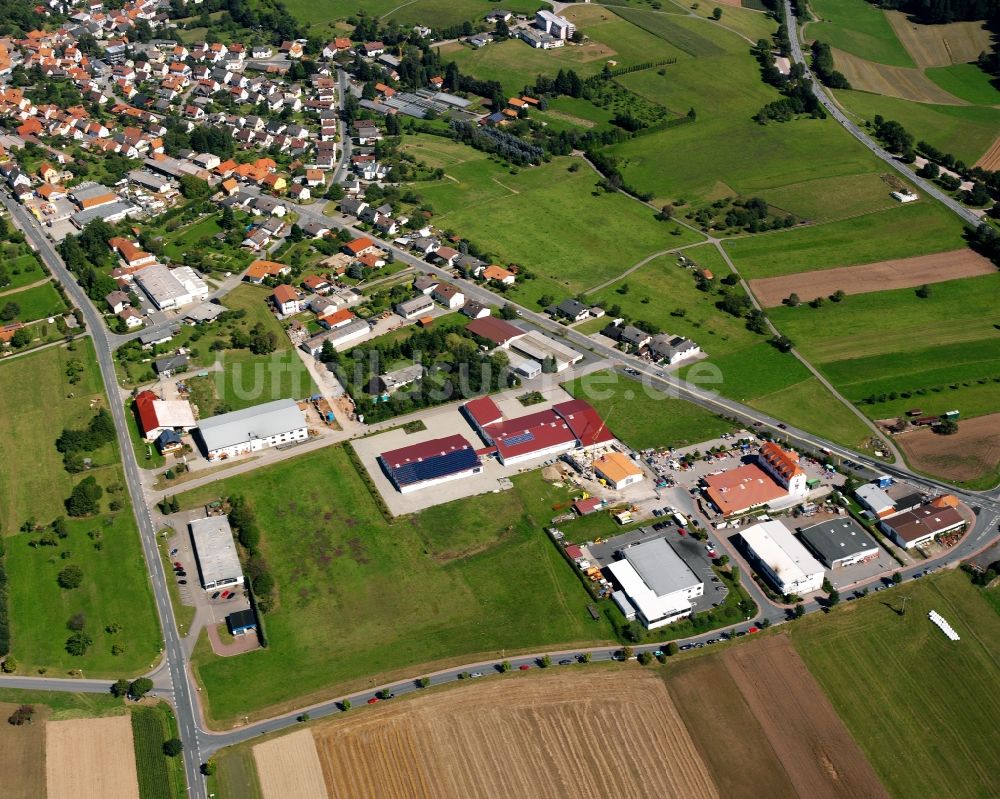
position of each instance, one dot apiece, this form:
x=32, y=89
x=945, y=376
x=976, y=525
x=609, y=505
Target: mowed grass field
x=547, y=219
x=360, y=599
x=967, y=82
x=435, y=14
x=965, y=131
x=643, y=417
x=860, y=240
x=36, y=402
x=22, y=267
x=866, y=346
x=859, y=28
x=902, y=687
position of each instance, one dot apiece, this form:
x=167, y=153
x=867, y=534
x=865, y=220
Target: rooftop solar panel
x=435, y=467
x=520, y=438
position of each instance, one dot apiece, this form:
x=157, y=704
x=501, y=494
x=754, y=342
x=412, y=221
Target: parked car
x=182, y=582
x=225, y=594
x=178, y=564
x=373, y=700
x=216, y=595
x=523, y=667
x=565, y=662
x=476, y=674
x=181, y=573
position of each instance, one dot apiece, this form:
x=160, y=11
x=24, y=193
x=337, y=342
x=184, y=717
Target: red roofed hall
x=496, y=330
x=156, y=415
x=430, y=463
x=741, y=489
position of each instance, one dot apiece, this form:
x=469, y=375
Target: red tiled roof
x=285, y=293
x=494, y=329
x=147, y=414
x=585, y=422
x=742, y=488
x=484, y=411
x=781, y=460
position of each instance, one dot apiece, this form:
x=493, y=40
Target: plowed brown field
x=940, y=45
x=22, y=755
x=897, y=274
x=288, y=767
x=972, y=452
x=821, y=758
x=903, y=82
x=562, y=734
x=991, y=158
x=90, y=759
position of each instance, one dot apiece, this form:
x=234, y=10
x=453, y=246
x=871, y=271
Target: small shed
x=528, y=369
x=241, y=622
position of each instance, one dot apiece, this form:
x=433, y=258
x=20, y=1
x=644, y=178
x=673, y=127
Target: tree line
x=243, y=520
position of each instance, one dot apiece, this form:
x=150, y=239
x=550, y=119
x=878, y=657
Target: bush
x=70, y=577
x=173, y=747
x=78, y=644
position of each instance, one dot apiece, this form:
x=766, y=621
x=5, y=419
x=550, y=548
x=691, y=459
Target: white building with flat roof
x=778, y=556
x=252, y=429
x=657, y=582
x=171, y=288
x=218, y=562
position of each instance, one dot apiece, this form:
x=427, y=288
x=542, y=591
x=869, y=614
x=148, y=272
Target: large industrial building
x=744, y=488
x=171, y=288
x=839, y=542
x=253, y=429
x=430, y=463
x=785, y=563
x=561, y=428
x=656, y=582
x=215, y=550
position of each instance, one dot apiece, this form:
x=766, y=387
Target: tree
x=138, y=688
x=781, y=343
x=9, y=311
x=833, y=597
x=549, y=365
x=644, y=658
x=172, y=747
x=21, y=338
x=838, y=295
x=793, y=300
x=672, y=648
x=85, y=499
x=208, y=768
x=545, y=661
x=78, y=643
x=70, y=577
x=897, y=578
x=77, y=621
x=799, y=611
x=119, y=688
x=757, y=321
x=585, y=657
x=345, y=705
x=505, y=666
x=9, y=665
x=423, y=682
x=627, y=652
x=194, y=188
x=507, y=311
x=923, y=292
x=716, y=13
x=946, y=427
x=22, y=715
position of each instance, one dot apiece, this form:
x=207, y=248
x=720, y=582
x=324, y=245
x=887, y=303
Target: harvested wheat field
x=900, y=273
x=821, y=758
x=568, y=733
x=725, y=731
x=991, y=158
x=288, y=767
x=22, y=755
x=90, y=759
x=902, y=82
x=940, y=45
x=971, y=453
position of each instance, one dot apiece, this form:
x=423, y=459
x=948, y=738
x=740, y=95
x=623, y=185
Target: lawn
x=968, y=82
x=965, y=131
x=697, y=40
x=859, y=28
x=861, y=240
x=487, y=203
x=146, y=455
x=22, y=268
x=115, y=591
x=809, y=406
x=901, y=686
x=362, y=600
x=643, y=417
x=33, y=484
x=36, y=303
x=435, y=14
x=750, y=372
x=249, y=379
x=725, y=153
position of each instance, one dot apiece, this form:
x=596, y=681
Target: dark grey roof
x=837, y=538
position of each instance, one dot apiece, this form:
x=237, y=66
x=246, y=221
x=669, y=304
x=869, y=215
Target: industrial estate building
x=654, y=580
x=839, y=542
x=171, y=288
x=776, y=554
x=914, y=528
x=430, y=463
x=253, y=429
x=617, y=470
x=215, y=551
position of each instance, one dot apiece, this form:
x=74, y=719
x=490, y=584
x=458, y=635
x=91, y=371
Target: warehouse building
x=656, y=581
x=914, y=528
x=778, y=557
x=872, y=497
x=538, y=347
x=430, y=463
x=215, y=551
x=253, y=429
x=171, y=288
x=618, y=470
x=738, y=490
x=839, y=542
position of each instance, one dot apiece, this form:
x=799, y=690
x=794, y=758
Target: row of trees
x=822, y=64
x=243, y=519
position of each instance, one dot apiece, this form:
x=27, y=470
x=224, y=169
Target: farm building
x=617, y=470
x=741, y=489
x=215, y=551
x=241, y=622
x=915, y=528
x=657, y=582
x=876, y=500
x=253, y=429
x=481, y=413
x=839, y=542
x=416, y=307
x=156, y=415
x=778, y=557
x=430, y=463
x=337, y=336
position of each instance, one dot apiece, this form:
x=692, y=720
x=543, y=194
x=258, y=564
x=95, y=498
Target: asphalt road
x=834, y=110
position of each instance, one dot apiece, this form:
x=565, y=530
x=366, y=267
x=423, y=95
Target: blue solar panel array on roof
x=520, y=438
x=435, y=467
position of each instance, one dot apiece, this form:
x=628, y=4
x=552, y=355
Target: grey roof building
x=218, y=562
x=839, y=542
x=253, y=429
